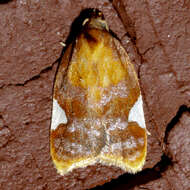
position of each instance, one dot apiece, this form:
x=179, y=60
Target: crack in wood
x=35, y=77
x=182, y=109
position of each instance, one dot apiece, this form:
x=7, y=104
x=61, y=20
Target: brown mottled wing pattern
x=97, y=88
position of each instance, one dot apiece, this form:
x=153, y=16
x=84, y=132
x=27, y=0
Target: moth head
x=95, y=20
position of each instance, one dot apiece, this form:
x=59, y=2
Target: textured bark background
x=156, y=35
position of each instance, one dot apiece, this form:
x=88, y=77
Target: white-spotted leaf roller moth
x=97, y=114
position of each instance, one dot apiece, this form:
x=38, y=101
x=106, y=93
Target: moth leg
x=63, y=44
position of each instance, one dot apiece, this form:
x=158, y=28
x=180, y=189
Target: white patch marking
x=117, y=125
x=137, y=114
x=135, y=156
x=116, y=146
x=141, y=141
x=130, y=143
x=58, y=115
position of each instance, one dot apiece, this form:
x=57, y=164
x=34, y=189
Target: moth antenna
x=85, y=21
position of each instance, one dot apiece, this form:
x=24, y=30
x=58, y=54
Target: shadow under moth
x=97, y=114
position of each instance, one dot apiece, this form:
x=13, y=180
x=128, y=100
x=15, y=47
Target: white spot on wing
x=130, y=143
x=137, y=114
x=58, y=115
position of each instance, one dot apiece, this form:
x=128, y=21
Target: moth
x=97, y=114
